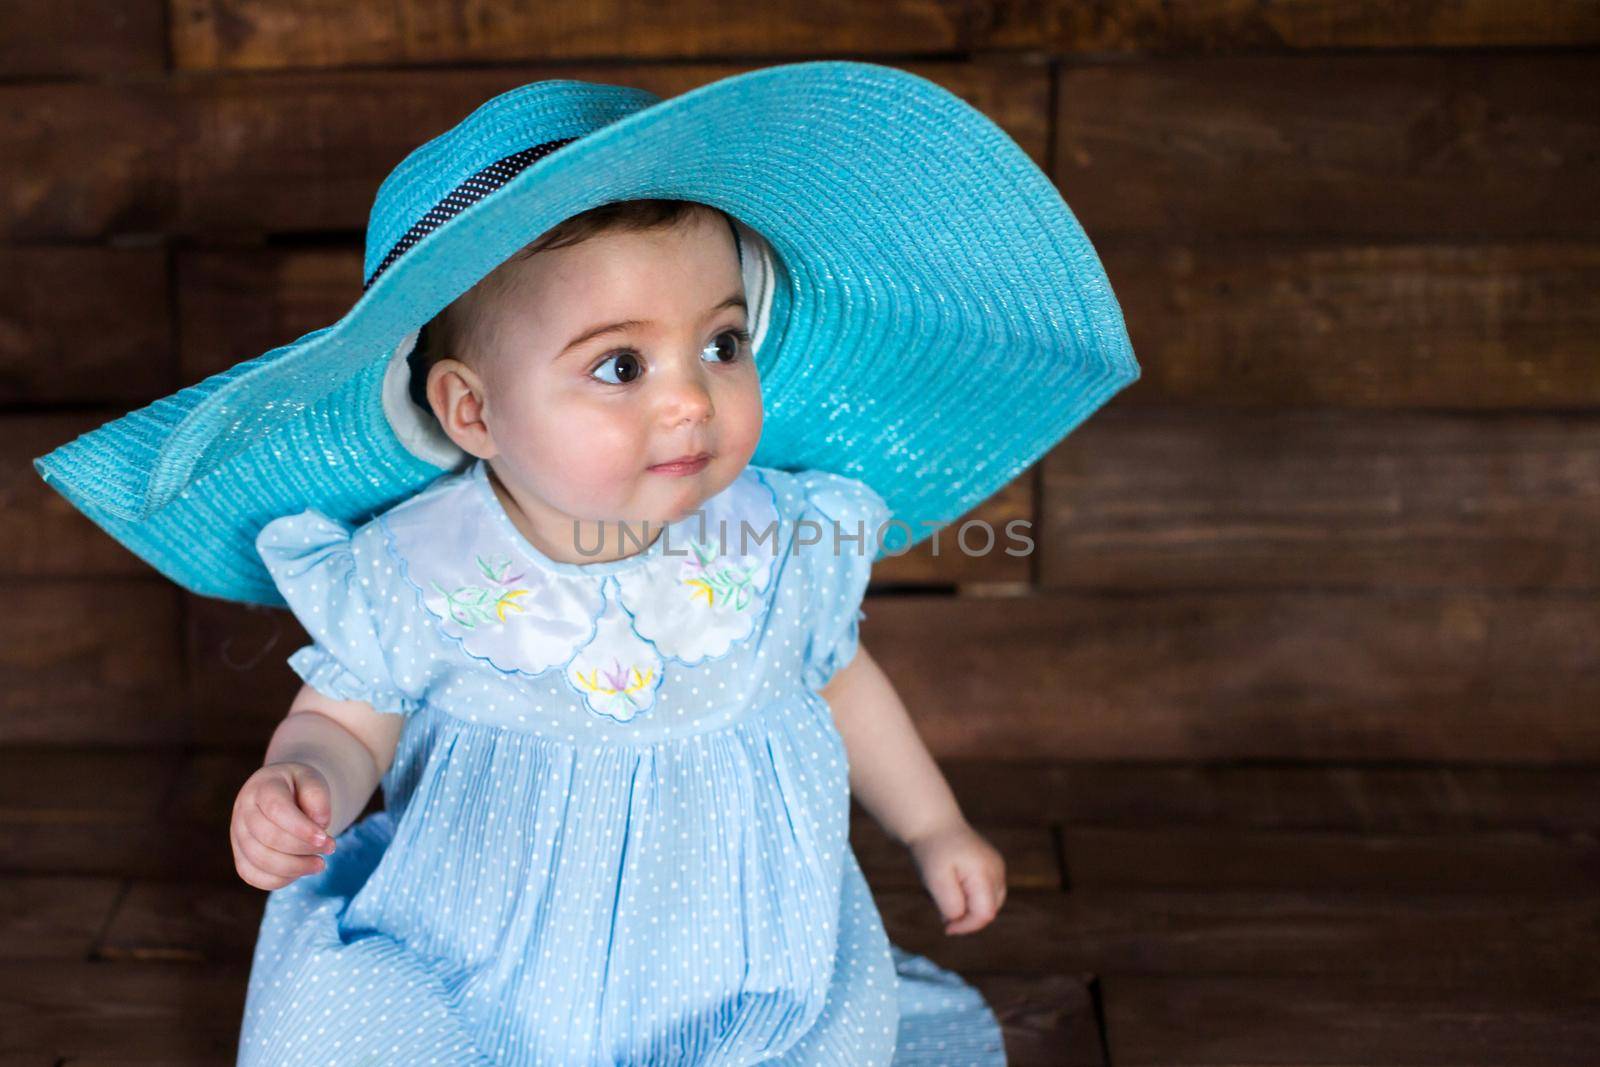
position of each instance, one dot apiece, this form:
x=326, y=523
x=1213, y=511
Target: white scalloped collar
x=614, y=627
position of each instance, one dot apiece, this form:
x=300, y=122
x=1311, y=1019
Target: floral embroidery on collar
x=706, y=594
x=613, y=632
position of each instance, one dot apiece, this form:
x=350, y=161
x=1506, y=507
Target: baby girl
x=616, y=741
x=605, y=664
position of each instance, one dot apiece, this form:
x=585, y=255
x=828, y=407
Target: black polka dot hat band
x=464, y=196
x=927, y=314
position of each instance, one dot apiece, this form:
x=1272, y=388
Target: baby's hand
x=964, y=873
x=277, y=824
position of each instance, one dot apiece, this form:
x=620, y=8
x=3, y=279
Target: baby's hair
x=459, y=331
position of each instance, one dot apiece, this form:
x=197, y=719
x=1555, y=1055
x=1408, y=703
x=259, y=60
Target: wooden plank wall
x=1350, y=513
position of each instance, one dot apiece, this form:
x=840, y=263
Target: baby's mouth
x=686, y=464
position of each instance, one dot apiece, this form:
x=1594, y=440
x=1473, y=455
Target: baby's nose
x=689, y=401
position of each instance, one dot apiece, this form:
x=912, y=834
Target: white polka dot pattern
x=551, y=886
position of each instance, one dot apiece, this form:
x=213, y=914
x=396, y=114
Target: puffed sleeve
x=837, y=579
x=319, y=570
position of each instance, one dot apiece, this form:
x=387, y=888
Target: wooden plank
x=309, y=154
x=184, y=921
x=81, y=161
x=237, y=662
x=1274, y=322
x=82, y=38
x=109, y=343
x=1202, y=858
x=45, y=918
x=1160, y=499
x=1463, y=677
x=41, y=534
x=1535, y=942
x=1132, y=26
x=251, y=35
x=64, y=785
x=240, y=302
x=98, y=812
x=256, y=35
x=1237, y=1020
x=1046, y=1019
x=92, y=661
x=1472, y=145
x=127, y=1013
x=145, y=848
x=1559, y=801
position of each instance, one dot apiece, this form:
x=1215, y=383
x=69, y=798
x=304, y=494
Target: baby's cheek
x=590, y=466
x=740, y=415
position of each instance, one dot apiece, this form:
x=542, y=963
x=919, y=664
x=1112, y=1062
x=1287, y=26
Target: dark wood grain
x=247, y=34
x=1381, y=799
x=1479, y=942
x=1288, y=1022
x=131, y=1013
x=1189, y=857
x=81, y=161
x=85, y=326
x=248, y=150
x=1392, y=502
x=1221, y=26
x=83, y=38
x=1294, y=321
x=299, y=153
x=54, y=917
x=1461, y=676
x=92, y=661
x=254, y=34
x=1046, y=1019
x=1383, y=148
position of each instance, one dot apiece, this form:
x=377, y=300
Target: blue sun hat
x=926, y=313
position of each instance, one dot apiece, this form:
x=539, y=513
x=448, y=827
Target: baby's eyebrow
x=736, y=300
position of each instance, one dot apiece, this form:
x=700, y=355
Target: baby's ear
x=458, y=401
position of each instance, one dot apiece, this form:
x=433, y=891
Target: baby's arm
x=896, y=780
x=892, y=773
x=321, y=767
x=349, y=742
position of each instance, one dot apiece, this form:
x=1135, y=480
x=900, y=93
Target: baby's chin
x=674, y=498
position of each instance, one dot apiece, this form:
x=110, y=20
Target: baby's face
x=580, y=423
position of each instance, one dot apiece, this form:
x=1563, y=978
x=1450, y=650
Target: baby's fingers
x=980, y=901
x=267, y=860
x=946, y=892
x=261, y=828
x=276, y=805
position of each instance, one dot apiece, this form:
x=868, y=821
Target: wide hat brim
x=936, y=318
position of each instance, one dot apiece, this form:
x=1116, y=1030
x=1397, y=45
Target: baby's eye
x=628, y=364
x=740, y=338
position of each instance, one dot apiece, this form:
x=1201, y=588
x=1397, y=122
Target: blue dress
x=616, y=824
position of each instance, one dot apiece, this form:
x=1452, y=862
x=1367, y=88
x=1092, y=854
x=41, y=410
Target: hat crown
x=469, y=161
